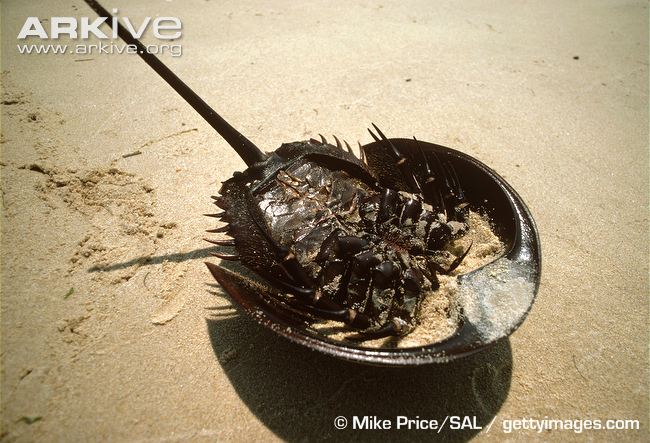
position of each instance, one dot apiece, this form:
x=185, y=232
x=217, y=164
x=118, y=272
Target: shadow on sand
x=297, y=393
x=146, y=260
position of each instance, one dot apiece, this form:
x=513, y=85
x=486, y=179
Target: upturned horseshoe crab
x=358, y=240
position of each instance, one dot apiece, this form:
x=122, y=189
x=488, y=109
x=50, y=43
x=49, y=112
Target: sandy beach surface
x=112, y=327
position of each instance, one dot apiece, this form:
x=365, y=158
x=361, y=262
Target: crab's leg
x=360, y=288
x=403, y=308
x=412, y=284
x=389, y=329
x=381, y=289
x=355, y=280
x=338, y=256
x=430, y=271
x=391, y=206
x=437, y=235
x=411, y=211
x=457, y=261
x=388, y=205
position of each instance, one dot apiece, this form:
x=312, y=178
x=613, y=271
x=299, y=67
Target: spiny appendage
x=437, y=181
x=435, y=201
x=228, y=242
x=348, y=148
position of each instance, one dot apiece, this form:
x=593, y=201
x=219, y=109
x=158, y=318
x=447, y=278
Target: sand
x=112, y=328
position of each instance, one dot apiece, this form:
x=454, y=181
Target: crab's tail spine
x=250, y=153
